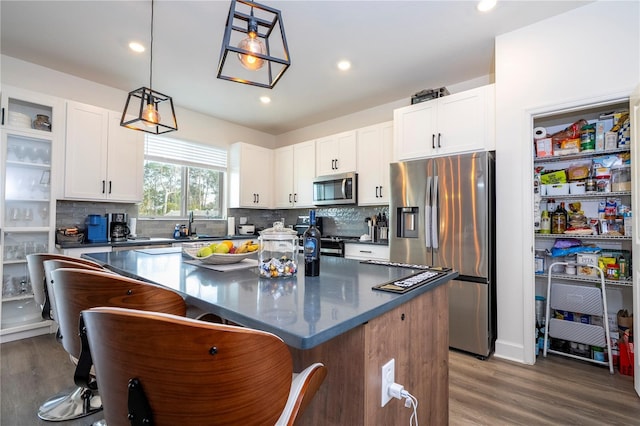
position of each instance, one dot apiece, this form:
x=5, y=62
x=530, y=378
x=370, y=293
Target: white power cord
x=397, y=391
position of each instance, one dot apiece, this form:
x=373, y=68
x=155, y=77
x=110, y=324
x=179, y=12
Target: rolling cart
x=586, y=300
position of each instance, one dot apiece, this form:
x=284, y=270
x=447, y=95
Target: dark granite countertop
x=303, y=311
x=144, y=241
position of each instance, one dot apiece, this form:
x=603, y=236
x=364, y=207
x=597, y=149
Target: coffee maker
x=117, y=226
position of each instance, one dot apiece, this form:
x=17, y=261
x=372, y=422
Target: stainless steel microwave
x=335, y=189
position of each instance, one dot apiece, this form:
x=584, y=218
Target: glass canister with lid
x=278, y=252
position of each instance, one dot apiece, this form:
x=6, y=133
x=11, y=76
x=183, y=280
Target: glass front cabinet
x=29, y=163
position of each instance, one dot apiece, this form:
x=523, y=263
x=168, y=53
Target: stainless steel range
x=329, y=246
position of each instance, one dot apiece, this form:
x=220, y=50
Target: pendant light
x=146, y=109
x=254, y=49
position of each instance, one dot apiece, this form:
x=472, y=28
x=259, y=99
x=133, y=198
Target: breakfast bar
x=337, y=319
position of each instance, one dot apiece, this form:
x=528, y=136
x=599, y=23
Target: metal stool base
x=81, y=402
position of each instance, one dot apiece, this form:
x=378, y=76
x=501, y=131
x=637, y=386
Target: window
x=180, y=177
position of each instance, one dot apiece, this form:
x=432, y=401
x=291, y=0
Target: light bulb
x=151, y=115
x=252, y=44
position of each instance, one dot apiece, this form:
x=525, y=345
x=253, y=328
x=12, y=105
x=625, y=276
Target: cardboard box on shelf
x=610, y=140
x=544, y=147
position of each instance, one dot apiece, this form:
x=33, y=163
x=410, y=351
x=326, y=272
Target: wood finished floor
x=557, y=390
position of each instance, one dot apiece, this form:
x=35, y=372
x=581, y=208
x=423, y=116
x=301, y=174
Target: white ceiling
x=397, y=49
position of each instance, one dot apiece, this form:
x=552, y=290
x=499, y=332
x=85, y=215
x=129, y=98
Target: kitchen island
x=336, y=318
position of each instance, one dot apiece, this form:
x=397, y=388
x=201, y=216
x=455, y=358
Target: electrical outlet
x=388, y=378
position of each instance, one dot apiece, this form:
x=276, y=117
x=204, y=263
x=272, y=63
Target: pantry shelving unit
x=28, y=168
x=587, y=286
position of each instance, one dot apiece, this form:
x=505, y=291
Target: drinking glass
x=14, y=214
x=28, y=214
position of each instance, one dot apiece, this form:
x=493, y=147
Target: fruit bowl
x=191, y=251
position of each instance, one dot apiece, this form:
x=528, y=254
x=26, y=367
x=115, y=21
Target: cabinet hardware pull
x=289, y=197
x=104, y=186
x=433, y=140
x=295, y=197
x=366, y=251
x=109, y=187
x=439, y=146
x=336, y=164
x=380, y=191
x=258, y=198
x=3, y=116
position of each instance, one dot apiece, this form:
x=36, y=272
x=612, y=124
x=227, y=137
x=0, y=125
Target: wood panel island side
x=337, y=319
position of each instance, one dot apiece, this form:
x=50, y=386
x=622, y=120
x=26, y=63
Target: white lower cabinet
x=79, y=251
x=103, y=160
x=366, y=251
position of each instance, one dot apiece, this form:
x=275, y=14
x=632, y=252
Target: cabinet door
x=250, y=176
x=415, y=130
x=336, y=154
x=125, y=162
x=283, y=180
x=304, y=171
x=466, y=121
x=374, y=155
x=86, y=152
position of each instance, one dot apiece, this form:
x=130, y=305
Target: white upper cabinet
x=336, y=154
x=250, y=176
x=375, y=145
x=294, y=171
x=103, y=161
x=456, y=123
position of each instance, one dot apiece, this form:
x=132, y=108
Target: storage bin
x=621, y=178
x=578, y=187
x=557, y=189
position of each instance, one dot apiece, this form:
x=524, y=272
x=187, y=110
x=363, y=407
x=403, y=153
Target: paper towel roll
x=231, y=226
x=132, y=226
x=539, y=133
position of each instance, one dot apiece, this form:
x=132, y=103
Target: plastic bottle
x=176, y=232
x=545, y=223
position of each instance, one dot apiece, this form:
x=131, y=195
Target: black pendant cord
x=151, y=51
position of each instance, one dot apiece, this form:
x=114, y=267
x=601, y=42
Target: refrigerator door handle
x=427, y=212
x=435, y=202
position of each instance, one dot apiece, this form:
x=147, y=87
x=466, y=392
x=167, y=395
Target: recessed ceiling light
x=486, y=5
x=344, y=65
x=265, y=99
x=136, y=47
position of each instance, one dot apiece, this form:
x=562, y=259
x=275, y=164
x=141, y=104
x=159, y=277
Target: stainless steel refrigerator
x=442, y=214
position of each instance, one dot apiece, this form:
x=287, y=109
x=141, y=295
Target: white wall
x=586, y=55
x=192, y=125
x=378, y=114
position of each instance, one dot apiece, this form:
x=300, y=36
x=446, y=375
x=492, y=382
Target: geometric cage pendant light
x=147, y=110
x=254, y=48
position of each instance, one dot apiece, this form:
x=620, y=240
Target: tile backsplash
x=337, y=221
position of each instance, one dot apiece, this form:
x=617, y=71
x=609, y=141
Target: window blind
x=175, y=151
